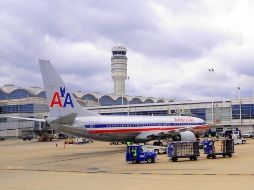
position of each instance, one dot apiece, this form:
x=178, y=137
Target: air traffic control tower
x=119, y=69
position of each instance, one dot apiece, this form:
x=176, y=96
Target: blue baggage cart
x=226, y=148
x=183, y=149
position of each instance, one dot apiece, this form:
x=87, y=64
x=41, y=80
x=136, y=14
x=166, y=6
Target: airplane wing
x=25, y=118
x=67, y=119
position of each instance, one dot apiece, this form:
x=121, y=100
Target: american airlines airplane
x=68, y=116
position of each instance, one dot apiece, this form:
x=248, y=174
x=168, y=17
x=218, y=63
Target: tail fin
x=60, y=100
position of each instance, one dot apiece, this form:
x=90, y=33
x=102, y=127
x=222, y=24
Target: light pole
x=240, y=104
x=239, y=92
x=211, y=70
x=128, y=104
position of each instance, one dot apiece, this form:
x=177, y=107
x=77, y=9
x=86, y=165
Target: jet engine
x=184, y=136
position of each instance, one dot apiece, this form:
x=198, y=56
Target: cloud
x=171, y=45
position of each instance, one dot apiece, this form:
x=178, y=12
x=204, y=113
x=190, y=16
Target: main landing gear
x=158, y=143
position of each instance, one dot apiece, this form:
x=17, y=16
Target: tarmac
x=30, y=165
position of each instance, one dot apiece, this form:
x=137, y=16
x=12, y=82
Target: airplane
x=66, y=115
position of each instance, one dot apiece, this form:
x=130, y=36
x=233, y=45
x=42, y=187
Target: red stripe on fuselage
x=201, y=127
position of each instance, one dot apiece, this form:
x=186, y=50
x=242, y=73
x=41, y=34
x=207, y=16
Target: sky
x=171, y=45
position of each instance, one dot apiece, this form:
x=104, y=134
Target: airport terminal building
x=31, y=102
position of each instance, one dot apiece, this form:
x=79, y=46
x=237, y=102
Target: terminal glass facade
x=247, y=111
x=18, y=94
x=199, y=112
x=27, y=108
x=23, y=108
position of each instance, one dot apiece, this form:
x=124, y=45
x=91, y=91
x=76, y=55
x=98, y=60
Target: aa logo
x=61, y=99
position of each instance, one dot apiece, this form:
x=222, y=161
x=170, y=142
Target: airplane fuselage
x=127, y=128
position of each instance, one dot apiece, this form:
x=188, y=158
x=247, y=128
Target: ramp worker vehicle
x=136, y=154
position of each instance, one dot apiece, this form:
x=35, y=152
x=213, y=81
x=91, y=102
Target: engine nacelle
x=185, y=136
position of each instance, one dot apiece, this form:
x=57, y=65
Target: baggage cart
x=183, y=149
x=223, y=147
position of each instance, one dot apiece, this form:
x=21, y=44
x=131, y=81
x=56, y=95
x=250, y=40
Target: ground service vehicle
x=136, y=154
x=237, y=137
x=248, y=135
x=183, y=150
x=156, y=149
x=239, y=141
x=62, y=136
x=80, y=140
x=69, y=140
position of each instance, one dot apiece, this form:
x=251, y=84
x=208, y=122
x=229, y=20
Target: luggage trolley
x=226, y=148
x=183, y=149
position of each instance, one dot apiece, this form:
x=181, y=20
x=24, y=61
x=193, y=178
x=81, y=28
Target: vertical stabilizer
x=60, y=99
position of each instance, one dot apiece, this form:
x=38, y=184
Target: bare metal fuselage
x=124, y=128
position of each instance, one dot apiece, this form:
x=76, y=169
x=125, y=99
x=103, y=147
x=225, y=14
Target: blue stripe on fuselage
x=139, y=125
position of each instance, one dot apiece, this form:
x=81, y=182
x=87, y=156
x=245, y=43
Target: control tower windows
x=119, y=53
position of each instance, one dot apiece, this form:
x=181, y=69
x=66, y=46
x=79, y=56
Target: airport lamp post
x=211, y=70
x=127, y=100
x=240, y=104
x=128, y=103
x=239, y=92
